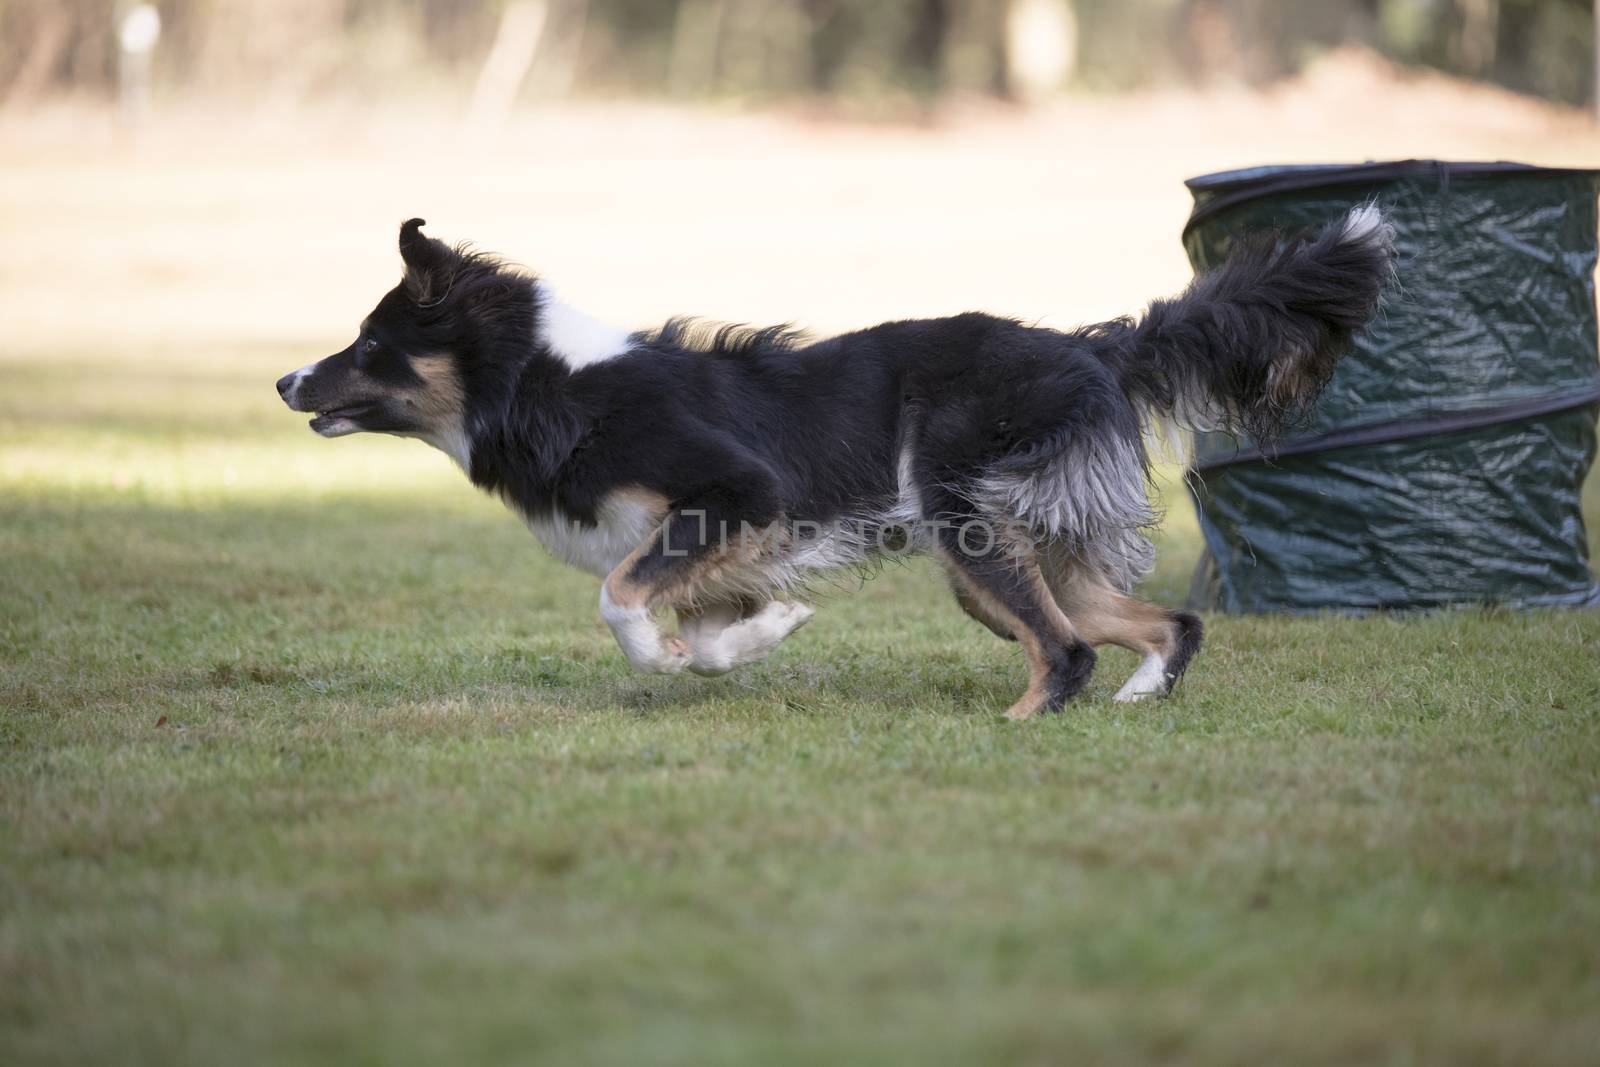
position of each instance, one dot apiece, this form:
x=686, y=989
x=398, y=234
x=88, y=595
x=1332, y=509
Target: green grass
x=308, y=754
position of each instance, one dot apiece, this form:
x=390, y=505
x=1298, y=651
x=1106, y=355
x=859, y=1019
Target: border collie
x=717, y=471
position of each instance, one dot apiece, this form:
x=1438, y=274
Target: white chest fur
x=623, y=521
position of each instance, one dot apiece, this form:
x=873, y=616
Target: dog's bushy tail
x=1251, y=344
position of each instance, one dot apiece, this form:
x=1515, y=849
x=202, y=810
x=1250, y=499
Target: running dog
x=720, y=472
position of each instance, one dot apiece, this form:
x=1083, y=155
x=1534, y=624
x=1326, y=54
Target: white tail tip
x=1368, y=224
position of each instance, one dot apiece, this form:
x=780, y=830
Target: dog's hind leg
x=1003, y=582
x=1166, y=639
x=724, y=636
x=977, y=609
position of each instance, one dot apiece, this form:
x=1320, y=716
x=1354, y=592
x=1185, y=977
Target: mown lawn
x=308, y=754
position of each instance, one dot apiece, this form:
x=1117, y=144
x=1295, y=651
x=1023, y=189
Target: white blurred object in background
x=1041, y=47
x=522, y=24
x=137, y=35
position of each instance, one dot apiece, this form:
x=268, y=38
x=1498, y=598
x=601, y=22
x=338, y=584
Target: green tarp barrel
x=1444, y=464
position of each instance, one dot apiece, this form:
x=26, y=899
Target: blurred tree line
x=849, y=48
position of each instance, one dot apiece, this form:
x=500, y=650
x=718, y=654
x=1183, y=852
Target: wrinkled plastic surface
x=1495, y=306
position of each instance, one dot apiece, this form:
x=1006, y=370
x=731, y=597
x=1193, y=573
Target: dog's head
x=413, y=365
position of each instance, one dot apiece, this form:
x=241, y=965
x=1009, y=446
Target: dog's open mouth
x=339, y=421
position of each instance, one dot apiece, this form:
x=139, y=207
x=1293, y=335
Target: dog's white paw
x=763, y=631
x=1150, y=680
x=719, y=649
x=652, y=653
x=791, y=616
x=672, y=657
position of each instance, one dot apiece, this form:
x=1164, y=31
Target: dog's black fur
x=968, y=416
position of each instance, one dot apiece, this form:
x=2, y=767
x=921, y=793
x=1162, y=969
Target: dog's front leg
x=626, y=609
x=668, y=570
x=722, y=637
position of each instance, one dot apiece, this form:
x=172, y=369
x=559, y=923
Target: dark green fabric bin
x=1445, y=462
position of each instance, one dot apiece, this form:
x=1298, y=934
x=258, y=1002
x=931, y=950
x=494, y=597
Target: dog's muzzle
x=289, y=388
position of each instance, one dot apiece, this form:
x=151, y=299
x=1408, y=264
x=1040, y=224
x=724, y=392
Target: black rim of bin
x=1216, y=193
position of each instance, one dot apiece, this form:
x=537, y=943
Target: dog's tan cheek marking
x=441, y=398
x=438, y=407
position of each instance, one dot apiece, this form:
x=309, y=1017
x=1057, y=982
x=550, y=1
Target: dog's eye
x=369, y=346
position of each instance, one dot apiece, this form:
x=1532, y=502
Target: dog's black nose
x=284, y=383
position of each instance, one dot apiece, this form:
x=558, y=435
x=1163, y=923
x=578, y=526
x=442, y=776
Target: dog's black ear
x=428, y=261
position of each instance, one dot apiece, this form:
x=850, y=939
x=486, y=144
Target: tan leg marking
x=995, y=614
x=998, y=626
x=625, y=605
x=1105, y=616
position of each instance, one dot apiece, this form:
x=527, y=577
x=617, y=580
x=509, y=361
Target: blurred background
x=860, y=51
x=199, y=195
x=220, y=170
